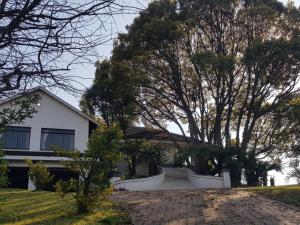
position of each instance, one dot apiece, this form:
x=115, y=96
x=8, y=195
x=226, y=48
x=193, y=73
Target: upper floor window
x=16, y=138
x=57, y=138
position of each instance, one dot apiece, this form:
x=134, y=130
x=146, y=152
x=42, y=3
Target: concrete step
x=171, y=183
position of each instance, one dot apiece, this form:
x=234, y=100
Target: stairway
x=175, y=179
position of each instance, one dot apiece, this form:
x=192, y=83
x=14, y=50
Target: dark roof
x=134, y=132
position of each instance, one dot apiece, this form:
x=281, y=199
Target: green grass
x=286, y=194
x=21, y=207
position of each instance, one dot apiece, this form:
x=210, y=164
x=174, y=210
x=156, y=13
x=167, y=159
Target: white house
x=55, y=123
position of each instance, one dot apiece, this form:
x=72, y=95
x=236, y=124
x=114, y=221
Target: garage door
x=18, y=177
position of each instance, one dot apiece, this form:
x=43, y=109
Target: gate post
x=226, y=178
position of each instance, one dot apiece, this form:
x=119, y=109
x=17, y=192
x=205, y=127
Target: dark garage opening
x=18, y=177
x=60, y=174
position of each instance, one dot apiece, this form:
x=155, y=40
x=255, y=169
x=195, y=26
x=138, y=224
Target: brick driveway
x=193, y=207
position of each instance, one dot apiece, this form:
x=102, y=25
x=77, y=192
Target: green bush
x=3, y=170
x=93, y=167
x=64, y=187
x=39, y=174
x=142, y=151
x=211, y=160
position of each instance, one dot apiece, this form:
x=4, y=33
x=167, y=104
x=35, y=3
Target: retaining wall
x=200, y=181
x=142, y=184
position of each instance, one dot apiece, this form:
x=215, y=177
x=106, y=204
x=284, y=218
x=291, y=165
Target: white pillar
x=31, y=186
x=226, y=177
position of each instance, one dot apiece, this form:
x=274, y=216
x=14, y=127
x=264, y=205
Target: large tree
x=218, y=66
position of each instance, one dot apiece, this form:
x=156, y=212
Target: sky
x=86, y=71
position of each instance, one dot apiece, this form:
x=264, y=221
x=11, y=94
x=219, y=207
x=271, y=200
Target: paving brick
x=205, y=207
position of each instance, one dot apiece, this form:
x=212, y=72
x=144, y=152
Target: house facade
x=56, y=123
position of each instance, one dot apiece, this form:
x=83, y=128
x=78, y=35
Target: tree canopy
x=112, y=95
x=220, y=67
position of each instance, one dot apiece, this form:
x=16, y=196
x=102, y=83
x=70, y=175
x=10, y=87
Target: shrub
x=142, y=151
x=93, y=167
x=154, y=155
x=3, y=170
x=64, y=187
x=38, y=174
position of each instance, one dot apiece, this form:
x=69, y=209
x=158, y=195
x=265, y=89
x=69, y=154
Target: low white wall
x=142, y=184
x=200, y=181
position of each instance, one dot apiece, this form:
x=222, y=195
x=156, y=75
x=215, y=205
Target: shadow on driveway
x=193, y=207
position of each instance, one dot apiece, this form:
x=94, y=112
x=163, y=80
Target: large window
x=57, y=138
x=16, y=138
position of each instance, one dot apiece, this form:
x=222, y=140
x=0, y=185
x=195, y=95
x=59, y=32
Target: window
x=57, y=138
x=16, y=138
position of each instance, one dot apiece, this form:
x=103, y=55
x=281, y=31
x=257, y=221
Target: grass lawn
x=20, y=207
x=286, y=194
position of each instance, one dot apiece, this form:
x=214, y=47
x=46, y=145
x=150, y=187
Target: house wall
x=53, y=114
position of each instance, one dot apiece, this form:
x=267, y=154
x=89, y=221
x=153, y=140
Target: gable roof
x=50, y=94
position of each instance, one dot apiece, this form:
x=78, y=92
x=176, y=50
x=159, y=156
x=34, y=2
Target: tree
x=39, y=174
x=139, y=151
x=132, y=152
x=42, y=40
x=295, y=173
x=220, y=67
x=154, y=155
x=292, y=119
x=112, y=95
x=93, y=167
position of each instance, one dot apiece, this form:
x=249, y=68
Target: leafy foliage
x=112, y=95
x=225, y=70
x=213, y=84
x=3, y=170
x=153, y=155
x=135, y=151
x=211, y=160
x=18, y=110
x=39, y=174
x=93, y=167
x=295, y=165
